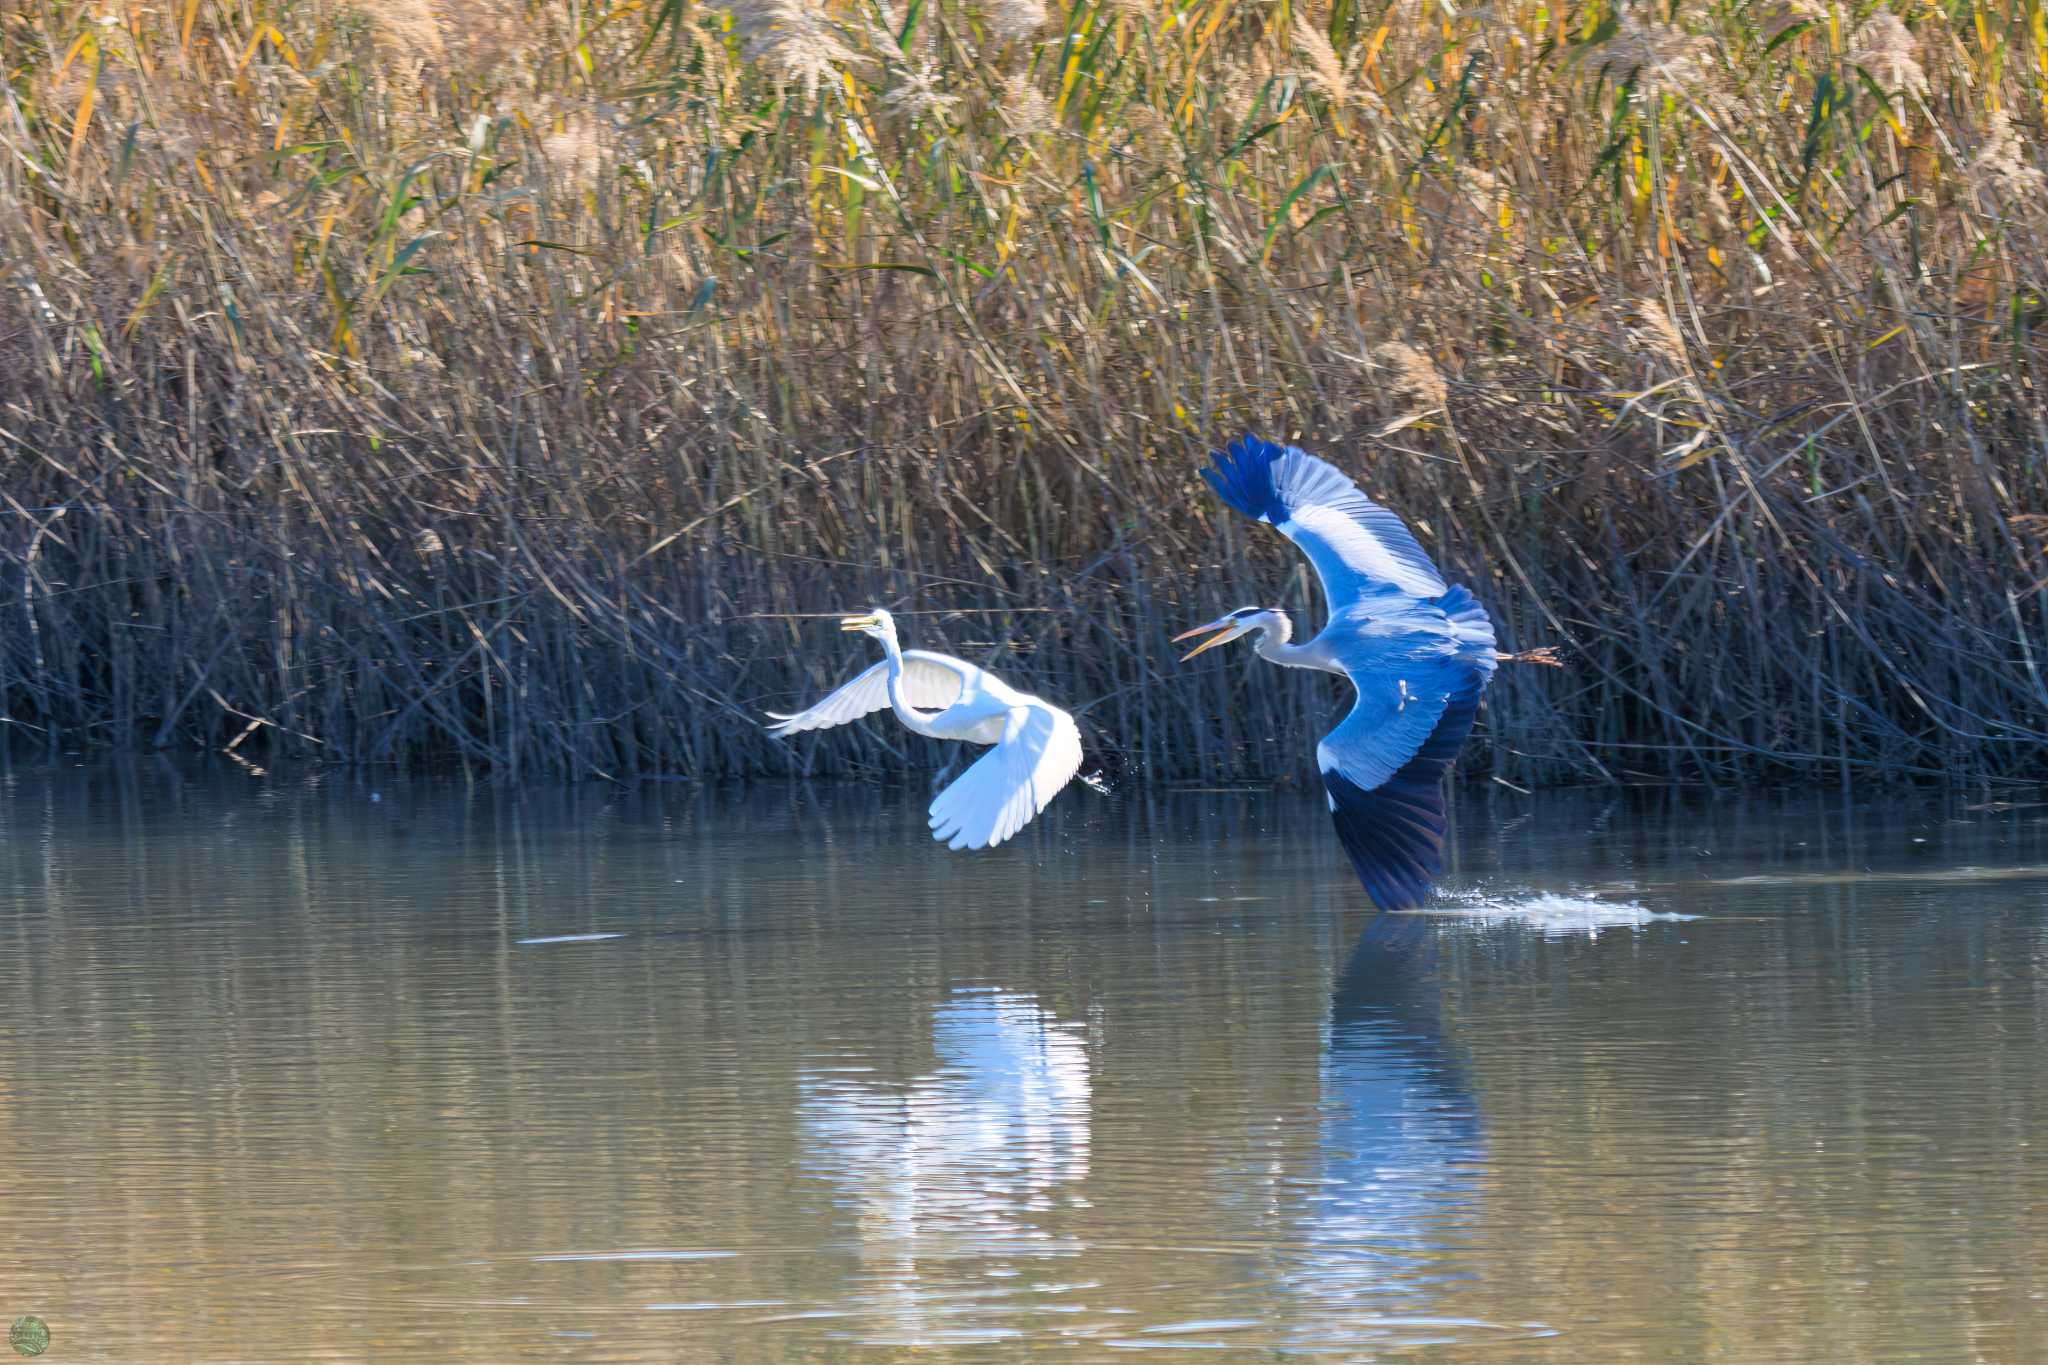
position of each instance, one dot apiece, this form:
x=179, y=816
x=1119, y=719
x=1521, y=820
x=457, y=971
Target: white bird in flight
x=1037, y=746
x=1419, y=652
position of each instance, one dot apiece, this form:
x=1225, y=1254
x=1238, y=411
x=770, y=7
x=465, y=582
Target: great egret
x=1037, y=747
x=1418, y=651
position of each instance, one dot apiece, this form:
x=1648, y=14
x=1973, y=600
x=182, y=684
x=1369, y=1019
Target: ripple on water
x=942, y=1307
x=634, y=1256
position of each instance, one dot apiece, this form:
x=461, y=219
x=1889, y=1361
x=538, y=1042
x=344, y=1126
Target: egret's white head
x=1237, y=624
x=877, y=624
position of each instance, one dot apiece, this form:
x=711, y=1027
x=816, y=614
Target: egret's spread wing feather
x=1356, y=545
x=1039, y=753
x=1393, y=830
x=931, y=682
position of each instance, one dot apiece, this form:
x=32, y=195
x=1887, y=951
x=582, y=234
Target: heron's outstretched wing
x=932, y=682
x=1357, y=545
x=1038, y=754
x=1383, y=769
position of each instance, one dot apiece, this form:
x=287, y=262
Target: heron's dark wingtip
x=1393, y=835
x=1243, y=477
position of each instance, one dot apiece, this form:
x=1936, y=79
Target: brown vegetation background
x=415, y=382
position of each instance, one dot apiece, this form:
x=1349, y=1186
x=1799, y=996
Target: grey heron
x=1418, y=651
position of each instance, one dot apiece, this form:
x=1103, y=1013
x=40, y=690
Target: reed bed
x=433, y=381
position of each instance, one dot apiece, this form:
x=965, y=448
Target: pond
x=336, y=1067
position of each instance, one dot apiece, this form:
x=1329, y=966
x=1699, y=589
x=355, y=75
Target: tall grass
x=407, y=383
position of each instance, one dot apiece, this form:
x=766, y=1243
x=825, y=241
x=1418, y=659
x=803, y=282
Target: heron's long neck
x=1274, y=633
x=905, y=712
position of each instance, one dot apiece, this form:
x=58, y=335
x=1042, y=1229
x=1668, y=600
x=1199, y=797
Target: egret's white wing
x=1038, y=754
x=1356, y=545
x=931, y=682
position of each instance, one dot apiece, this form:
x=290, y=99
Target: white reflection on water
x=961, y=1160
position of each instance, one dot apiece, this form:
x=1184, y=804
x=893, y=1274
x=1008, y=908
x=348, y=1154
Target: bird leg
x=1545, y=655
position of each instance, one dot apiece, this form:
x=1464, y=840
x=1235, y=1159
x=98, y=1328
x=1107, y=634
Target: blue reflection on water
x=1399, y=1138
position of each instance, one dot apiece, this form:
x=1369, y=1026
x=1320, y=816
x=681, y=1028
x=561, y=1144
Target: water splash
x=1558, y=916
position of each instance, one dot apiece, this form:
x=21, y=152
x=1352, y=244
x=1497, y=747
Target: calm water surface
x=296, y=1069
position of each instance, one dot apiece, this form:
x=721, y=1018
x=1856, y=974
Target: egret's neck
x=1275, y=630
x=911, y=717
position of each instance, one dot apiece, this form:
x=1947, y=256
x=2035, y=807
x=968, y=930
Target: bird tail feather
x=1470, y=625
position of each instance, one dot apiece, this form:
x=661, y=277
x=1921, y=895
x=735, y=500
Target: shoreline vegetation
x=507, y=386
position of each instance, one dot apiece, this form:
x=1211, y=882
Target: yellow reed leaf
x=284, y=49
x=1370, y=66
x=82, y=121
x=1068, y=77
x=1217, y=14
x=149, y=296
x=344, y=335
x=85, y=40
x=1008, y=243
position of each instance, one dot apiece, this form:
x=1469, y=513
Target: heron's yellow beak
x=858, y=623
x=1213, y=641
